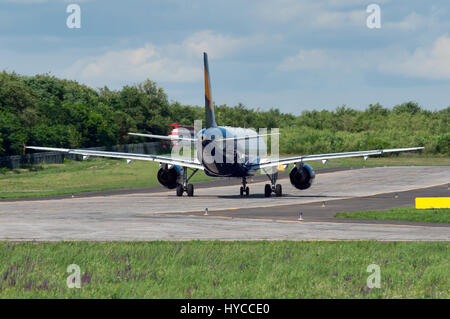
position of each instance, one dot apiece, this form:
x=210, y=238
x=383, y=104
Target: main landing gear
x=185, y=187
x=244, y=190
x=273, y=187
x=268, y=189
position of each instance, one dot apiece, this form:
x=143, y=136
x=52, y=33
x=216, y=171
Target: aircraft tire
x=278, y=190
x=247, y=191
x=241, y=191
x=267, y=190
x=180, y=190
x=190, y=190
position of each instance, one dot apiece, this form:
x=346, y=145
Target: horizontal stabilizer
x=238, y=138
x=165, y=137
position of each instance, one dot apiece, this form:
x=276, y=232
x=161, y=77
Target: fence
x=19, y=161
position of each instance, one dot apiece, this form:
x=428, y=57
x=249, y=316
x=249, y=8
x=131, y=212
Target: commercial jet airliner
x=225, y=152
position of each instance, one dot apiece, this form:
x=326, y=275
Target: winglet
x=209, y=109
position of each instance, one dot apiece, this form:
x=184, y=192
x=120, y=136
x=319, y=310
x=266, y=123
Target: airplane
x=225, y=152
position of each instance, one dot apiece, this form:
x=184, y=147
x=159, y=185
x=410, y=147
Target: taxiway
x=161, y=215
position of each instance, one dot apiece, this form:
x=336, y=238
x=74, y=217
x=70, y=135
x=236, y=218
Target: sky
x=294, y=55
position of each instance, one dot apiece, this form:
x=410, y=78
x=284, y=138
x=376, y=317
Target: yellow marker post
x=432, y=202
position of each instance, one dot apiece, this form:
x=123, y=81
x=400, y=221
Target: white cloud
x=415, y=21
x=425, y=62
x=317, y=14
x=409, y=23
x=173, y=62
x=335, y=60
x=331, y=14
x=25, y=2
x=134, y=65
x=431, y=62
x=309, y=59
x=333, y=19
x=217, y=45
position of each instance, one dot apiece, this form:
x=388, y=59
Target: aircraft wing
x=324, y=157
x=186, y=162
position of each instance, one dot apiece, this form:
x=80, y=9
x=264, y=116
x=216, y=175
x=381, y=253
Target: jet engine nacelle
x=170, y=177
x=302, y=177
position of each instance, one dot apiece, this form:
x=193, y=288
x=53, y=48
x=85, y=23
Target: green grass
x=80, y=176
x=207, y=269
x=105, y=174
x=441, y=215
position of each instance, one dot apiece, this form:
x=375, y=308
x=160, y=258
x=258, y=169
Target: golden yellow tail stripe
x=207, y=87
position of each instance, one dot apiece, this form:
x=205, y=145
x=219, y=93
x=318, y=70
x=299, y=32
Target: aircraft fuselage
x=228, y=158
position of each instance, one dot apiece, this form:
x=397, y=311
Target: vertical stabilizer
x=209, y=109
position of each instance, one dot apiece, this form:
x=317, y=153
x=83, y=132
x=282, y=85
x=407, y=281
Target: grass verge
x=441, y=215
x=80, y=176
x=211, y=269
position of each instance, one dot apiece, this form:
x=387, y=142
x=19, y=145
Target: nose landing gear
x=244, y=190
